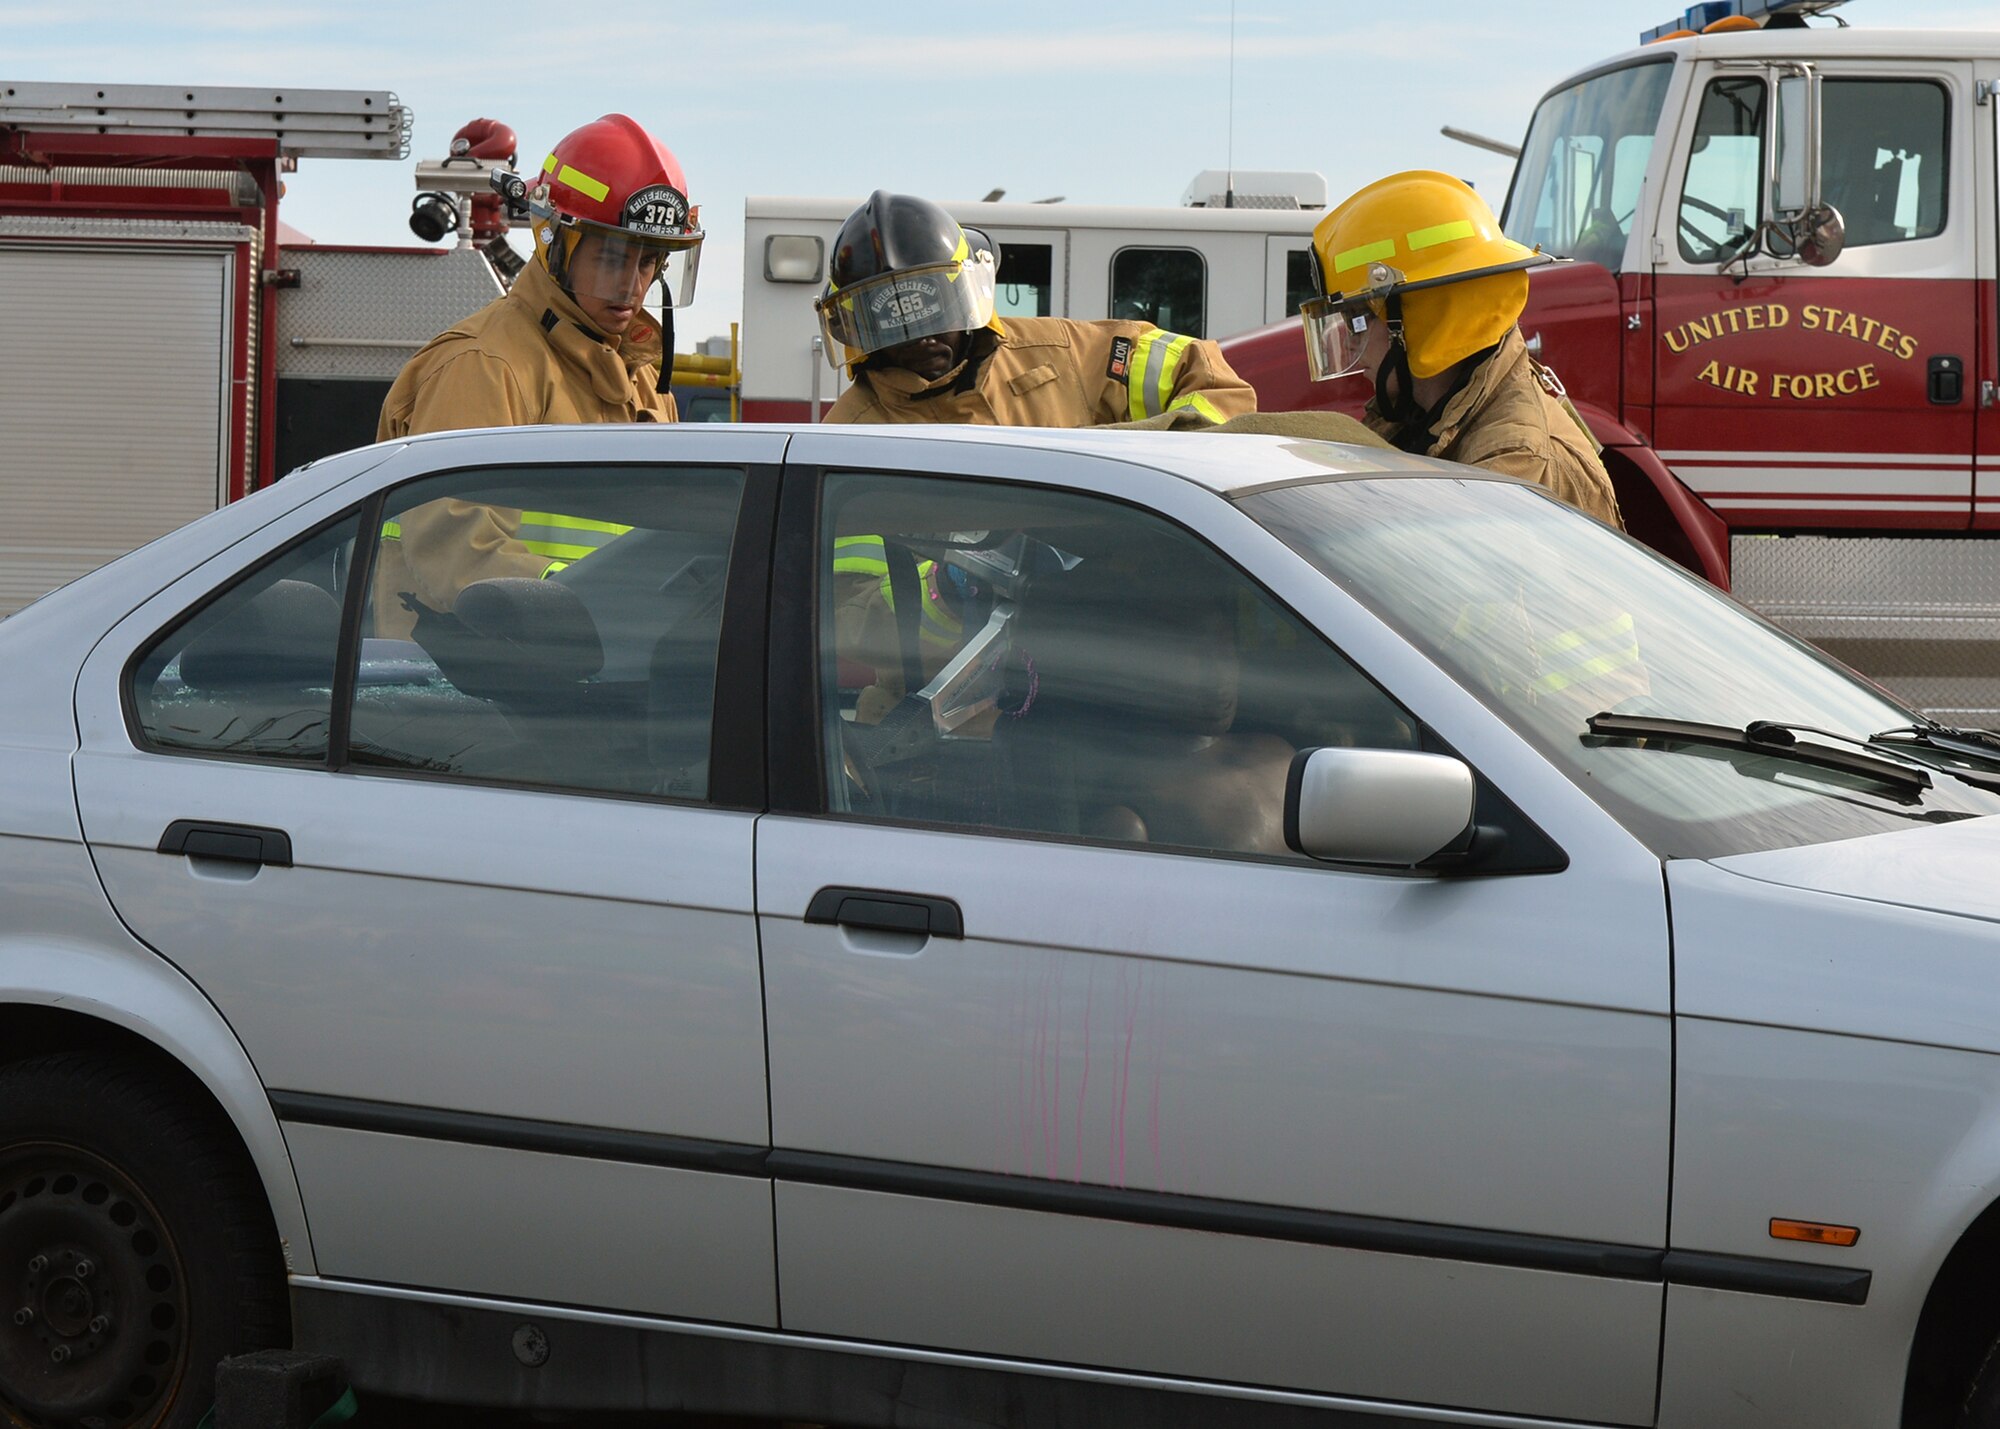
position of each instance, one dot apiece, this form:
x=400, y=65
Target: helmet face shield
x=893, y=308
x=1336, y=336
x=612, y=265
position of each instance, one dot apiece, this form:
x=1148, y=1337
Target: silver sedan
x=952, y=926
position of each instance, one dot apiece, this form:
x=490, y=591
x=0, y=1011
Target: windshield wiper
x=1980, y=744
x=1770, y=739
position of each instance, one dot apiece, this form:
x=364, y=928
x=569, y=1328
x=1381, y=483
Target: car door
x=1831, y=397
x=474, y=896
x=1073, y=1063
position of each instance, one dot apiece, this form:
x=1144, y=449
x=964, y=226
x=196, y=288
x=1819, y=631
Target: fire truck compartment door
x=116, y=400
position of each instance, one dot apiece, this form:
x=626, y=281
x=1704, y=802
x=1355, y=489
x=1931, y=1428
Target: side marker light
x=1814, y=1232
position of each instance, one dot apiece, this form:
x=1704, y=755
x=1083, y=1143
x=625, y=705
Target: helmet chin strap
x=1401, y=408
x=1413, y=420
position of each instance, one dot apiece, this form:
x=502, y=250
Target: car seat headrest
x=284, y=635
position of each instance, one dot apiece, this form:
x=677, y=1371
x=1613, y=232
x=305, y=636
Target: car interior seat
x=526, y=647
x=259, y=675
x=284, y=636
x=1129, y=735
x=680, y=682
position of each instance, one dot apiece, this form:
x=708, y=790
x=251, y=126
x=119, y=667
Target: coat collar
x=1486, y=379
x=613, y=364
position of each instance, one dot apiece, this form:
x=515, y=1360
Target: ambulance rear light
x=1703, y=17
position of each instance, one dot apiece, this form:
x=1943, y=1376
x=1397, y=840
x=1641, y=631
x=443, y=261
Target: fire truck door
x=1986, y=476
x=1793, y=396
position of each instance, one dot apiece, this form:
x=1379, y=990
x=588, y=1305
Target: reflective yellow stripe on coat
x=1586, y=653
x=1149, y=380
x=560, y=538
x=864, y=556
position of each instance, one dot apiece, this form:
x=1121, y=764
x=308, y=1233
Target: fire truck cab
x=1780, y=321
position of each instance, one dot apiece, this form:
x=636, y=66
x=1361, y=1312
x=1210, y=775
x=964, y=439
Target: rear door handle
x=887, y=911
x=232, y=843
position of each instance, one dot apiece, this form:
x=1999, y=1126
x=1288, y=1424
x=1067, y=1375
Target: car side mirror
x=1394, y=808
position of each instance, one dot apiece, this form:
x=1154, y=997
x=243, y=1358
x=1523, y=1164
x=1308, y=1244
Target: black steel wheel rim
x=93, y=1294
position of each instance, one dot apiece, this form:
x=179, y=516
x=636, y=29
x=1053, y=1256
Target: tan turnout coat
x=1058, y=372
x=1513, y=418
x=525, y=358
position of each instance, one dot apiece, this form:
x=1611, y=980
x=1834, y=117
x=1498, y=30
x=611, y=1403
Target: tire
x=136, y=1247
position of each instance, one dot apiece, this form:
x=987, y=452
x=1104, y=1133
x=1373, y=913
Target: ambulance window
x=1299, y=284
x=1720, y=200
x=1882, y=147
x=1167, y=287
x=1024, y=286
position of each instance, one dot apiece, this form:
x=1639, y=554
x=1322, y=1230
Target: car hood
x=1893, y=936
x=1945, y=868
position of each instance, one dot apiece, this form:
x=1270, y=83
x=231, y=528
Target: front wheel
x=136, y=1247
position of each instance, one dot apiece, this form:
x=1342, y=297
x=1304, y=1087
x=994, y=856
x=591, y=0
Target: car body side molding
x=1795, y=1280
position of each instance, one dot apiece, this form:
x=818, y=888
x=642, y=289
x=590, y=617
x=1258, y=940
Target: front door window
x=1002, y=658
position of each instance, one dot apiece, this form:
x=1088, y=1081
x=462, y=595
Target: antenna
x=1229, y=163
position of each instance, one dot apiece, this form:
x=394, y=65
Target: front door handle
x=232, y=843
x=886, y=911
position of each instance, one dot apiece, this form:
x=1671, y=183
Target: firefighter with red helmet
x=571, y=341
x=1423, y=293
x=909, y=310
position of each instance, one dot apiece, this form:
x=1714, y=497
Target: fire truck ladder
x=306, y=123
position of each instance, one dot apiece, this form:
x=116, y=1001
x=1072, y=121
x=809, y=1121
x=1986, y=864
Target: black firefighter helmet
x=904, y=269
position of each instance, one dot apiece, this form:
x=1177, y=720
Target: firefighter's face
x=610, y=279
x=929, y=357
x=1374, y=351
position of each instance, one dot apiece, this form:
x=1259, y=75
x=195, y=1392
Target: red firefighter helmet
x=614, y=180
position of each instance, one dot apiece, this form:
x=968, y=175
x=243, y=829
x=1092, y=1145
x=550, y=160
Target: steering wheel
x=1711, y=244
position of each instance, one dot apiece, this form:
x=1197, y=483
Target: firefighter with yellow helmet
x=1423, y=293
x=909, y=311
x=571, y=341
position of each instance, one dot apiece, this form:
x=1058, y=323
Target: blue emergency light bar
x=1699, y=17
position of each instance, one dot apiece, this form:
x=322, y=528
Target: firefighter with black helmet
x=571, y=341
x=1421, y=291
x=909, y=310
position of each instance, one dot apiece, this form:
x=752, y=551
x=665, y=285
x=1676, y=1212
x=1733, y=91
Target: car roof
x=1229, y=463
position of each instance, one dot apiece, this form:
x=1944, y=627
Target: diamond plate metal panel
x=1920, y=616
x=361, y=315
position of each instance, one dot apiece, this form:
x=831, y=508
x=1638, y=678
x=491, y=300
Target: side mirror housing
x=1393, y=808
x=1803, y=224
x=1794, y=175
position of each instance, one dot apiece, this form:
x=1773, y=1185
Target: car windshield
x=1576, y=185
x=1551, y=619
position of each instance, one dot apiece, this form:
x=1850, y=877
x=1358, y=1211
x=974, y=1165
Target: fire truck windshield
x=1577, y=182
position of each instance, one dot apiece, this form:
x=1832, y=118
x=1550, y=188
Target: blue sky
x=1100, y=104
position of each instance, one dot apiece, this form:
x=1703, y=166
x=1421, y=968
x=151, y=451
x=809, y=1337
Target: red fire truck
x=1809, y=420
x=169, y=346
